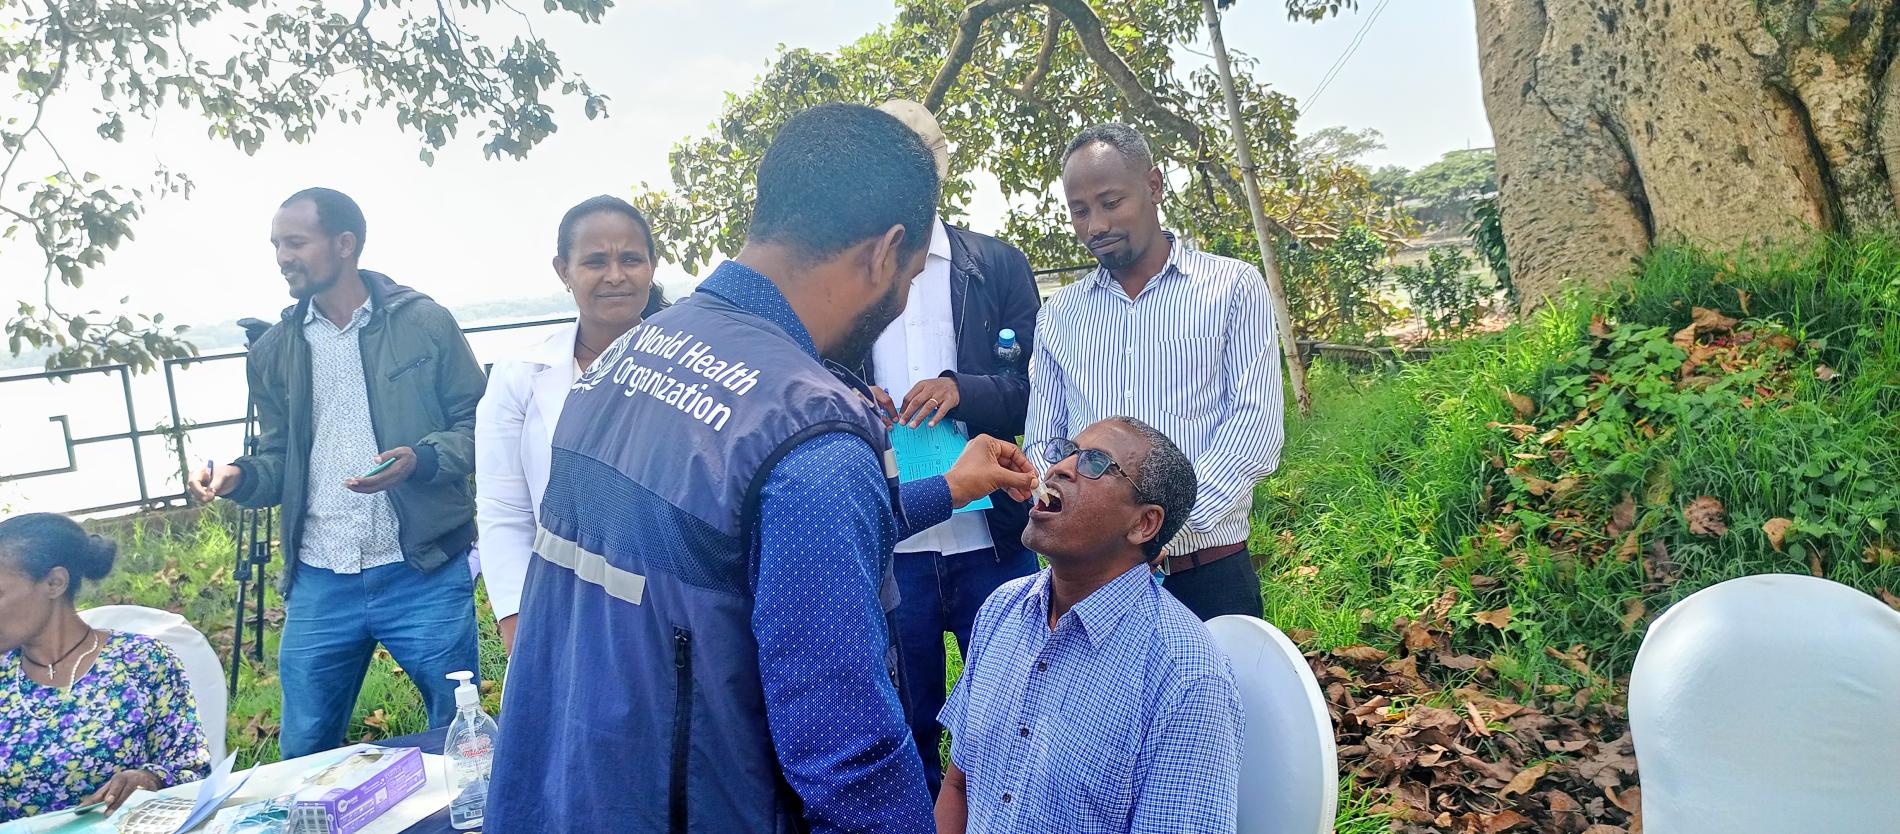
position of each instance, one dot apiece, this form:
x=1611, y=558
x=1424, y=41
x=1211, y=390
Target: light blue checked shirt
x=1124, y=717
x=1193, y=354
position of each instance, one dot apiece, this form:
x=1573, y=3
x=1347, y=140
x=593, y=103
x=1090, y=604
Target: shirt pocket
x=1183, y=374
x=1099, y=753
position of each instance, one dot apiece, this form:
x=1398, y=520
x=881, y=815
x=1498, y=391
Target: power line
x=1340, y=64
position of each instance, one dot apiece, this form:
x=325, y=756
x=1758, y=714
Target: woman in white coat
x=604, y=254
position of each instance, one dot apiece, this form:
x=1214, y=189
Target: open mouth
x=1048, y=500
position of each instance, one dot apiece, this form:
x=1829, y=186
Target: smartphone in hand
x=378, y=468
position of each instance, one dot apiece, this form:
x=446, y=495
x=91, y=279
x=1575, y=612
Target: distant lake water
x=94, y=405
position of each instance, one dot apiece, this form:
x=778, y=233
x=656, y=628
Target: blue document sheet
x=928, y=451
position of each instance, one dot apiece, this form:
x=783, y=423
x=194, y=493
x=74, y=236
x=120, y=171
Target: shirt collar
x=754, y=293
x=1102, y=611
x=939, y=239
x=558, y=348
x=360, y=315
x=1180, y=262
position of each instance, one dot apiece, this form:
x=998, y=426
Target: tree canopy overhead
x=1011, y=81
x=253, y=71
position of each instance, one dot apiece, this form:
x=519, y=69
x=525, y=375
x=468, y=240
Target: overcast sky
x=469, y=230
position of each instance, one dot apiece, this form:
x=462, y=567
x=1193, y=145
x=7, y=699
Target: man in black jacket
x=960, y=353
x=365, y=395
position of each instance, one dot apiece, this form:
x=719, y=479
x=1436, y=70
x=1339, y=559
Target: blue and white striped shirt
x=1122, y=718
x=1193, y=354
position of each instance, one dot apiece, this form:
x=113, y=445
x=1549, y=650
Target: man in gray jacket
x=365, y=395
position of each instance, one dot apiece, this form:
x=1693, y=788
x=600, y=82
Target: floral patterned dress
x=133, y=709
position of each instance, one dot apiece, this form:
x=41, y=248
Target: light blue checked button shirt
x=1123, y=718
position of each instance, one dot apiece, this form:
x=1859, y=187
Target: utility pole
x=1269, y=262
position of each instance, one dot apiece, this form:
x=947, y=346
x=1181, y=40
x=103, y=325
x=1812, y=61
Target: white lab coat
x=514, y=436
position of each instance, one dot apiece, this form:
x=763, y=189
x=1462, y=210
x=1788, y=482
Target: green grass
x=1381, y=488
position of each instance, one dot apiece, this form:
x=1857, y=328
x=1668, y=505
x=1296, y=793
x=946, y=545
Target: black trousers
x=1229, y=586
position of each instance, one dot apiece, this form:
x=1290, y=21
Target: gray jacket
x=423, y=384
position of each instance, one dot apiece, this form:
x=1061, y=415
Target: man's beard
x=870, y=324
x=1119, y=259
x=309, y=290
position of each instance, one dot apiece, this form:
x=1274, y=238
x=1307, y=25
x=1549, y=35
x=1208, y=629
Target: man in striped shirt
x=1178, y=338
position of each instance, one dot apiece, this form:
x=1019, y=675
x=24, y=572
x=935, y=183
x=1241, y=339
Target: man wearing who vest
x=1180, y=339
x=940, y=361
x=707, y=630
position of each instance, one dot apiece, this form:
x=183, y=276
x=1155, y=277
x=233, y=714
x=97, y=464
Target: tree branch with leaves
x=975, y=63
x=289, y=69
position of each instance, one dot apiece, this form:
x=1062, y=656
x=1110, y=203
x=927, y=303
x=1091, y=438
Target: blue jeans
x=332, y=623
x=940, y=594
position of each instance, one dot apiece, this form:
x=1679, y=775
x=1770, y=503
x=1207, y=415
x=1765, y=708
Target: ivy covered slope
x=1473, y=548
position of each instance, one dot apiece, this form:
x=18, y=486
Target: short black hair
x=36, y=543
x=564, y=235
x=839, y=174
x=1166, y=479
x=336, y=213
x=1126, y=141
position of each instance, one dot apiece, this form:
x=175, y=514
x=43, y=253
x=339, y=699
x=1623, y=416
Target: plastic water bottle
x=470, y=750
x=1009, y=352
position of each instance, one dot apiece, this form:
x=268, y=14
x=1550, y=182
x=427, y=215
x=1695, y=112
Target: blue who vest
x=634, y=700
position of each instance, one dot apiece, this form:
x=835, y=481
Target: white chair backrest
x=202, y=668
x=1768, y=705
x=1289, y=771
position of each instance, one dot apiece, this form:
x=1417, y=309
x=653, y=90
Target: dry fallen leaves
x=1521, y=404
x=1633, y=611
x=1363, y=654
x=1888, y=597
x=1525, y=780
x=1499, y=619
x=1623, y=518
x=1712, y=320
x=1825, y=373
x=1491, y=765
x=1777, y=531
x=1599, y=327
x=1684, y=338
x=1504, y=821
x=1707, y=517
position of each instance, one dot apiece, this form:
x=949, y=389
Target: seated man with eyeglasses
x=1092, y=700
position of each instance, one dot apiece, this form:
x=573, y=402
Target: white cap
x=466, y=695
x=919, y=118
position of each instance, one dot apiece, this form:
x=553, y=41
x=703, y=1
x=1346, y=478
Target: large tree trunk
x=1624, y=123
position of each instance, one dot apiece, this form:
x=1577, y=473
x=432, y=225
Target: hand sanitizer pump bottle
x=470, y=751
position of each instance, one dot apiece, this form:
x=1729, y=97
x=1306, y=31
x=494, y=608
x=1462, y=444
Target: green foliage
x=1486, y=231
x=1445, y=293
x=1335, y=292
x=281, y=71
x=1389, y=181
x=1579, y=506
x=1028, y=86
x=1341, y=143
x=1448, y=188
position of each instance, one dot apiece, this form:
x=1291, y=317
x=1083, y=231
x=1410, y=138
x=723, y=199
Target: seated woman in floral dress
x=86, y=715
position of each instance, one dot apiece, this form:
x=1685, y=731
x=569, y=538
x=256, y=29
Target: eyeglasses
x=1090, y=463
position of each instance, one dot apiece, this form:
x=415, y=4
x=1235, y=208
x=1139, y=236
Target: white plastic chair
x=1289, y=771
x=202, y=668
x=1769, y=705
